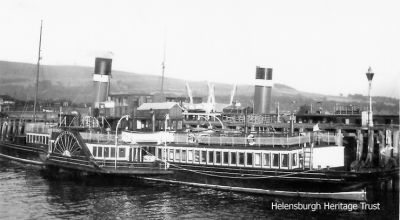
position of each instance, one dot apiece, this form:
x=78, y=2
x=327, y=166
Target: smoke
x=107, y=54
x=101, y=54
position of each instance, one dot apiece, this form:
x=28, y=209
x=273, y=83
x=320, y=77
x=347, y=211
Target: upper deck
x=207, y=139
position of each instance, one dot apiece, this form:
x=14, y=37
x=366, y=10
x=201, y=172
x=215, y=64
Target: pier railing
x=328, y=138
x=252, y=118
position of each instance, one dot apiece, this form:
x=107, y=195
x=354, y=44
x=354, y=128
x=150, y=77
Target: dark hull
x=331, y=184
x=313, y=181
x=23, y=153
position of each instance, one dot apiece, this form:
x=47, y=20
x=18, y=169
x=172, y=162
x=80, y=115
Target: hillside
x=75, y=83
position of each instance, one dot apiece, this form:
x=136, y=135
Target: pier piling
x=360, y=142
x=381, y=142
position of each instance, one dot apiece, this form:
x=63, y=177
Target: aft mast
x=37, y=73
x=163, y=70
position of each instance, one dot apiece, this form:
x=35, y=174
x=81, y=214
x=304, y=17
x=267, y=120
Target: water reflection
x=26, y=193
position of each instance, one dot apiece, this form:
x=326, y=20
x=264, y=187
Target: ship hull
x=31, y=154
x=324, y=184
x=300, y=180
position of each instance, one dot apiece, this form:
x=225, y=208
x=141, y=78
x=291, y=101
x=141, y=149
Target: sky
x=314, y=46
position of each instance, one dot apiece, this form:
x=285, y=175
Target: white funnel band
x=101, y=78
x=263, y=82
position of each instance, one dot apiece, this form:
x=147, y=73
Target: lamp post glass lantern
x=370, y=76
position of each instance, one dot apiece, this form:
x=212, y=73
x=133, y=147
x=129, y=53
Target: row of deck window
x=37, y=138
x=105, y=152
x=264, y=159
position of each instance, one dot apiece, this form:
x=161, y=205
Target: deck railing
x=98, y=137
x=253, y=141
x=328, y=138
x=187, y=138
x=45, y=128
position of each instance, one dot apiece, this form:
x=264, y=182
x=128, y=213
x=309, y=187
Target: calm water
x=25, y=193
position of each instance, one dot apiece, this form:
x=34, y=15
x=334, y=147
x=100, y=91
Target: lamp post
x=370, y=76
x=116, y=138
x=165, y=141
